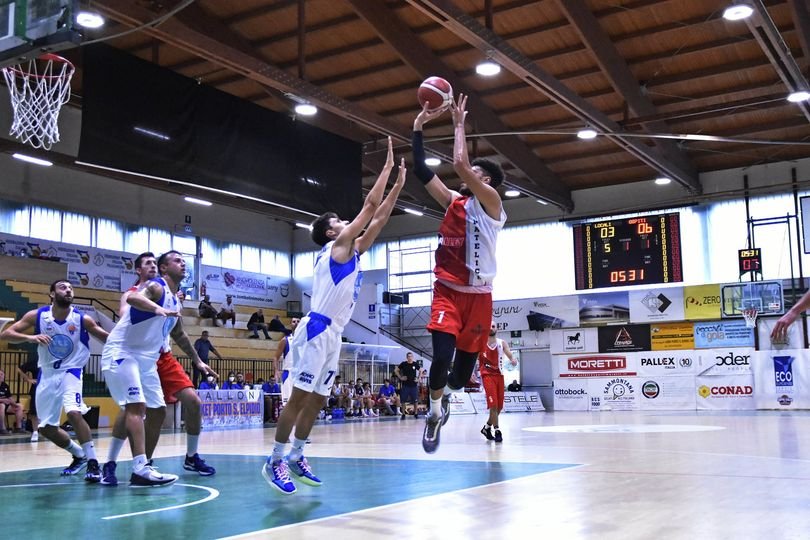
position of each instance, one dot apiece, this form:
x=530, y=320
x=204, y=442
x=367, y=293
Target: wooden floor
x=557, y=475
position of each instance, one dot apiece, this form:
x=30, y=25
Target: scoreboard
x=631, y=251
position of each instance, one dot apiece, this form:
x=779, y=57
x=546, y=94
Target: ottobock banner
x=725, y=392
x=670, y=393
x=734, y=333
x=574, y=341
x=652, y=305
x=782, y=379
x=535, y=313
x=571, y=395
x=223, y=409
x=247, y=288
x=665, y=363
x=730, y=361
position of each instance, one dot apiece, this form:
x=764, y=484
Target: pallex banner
x=571, y=395
x=247, y=288
x=701, y=302
x=727, y=361
x=672, y=336
x=223, y=409
x=782, y=379
x=574, y=340
x=670, y=393
x=725, y=392
x=596, y=365
x=665, y=363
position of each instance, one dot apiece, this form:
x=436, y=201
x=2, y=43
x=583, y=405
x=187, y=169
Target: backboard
x=764, y=296
x=30, y=28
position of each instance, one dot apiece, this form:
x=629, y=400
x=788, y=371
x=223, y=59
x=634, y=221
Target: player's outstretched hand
x=402, y=173
x=459, y=110
x=426, y=115
x=780, y=329
x=205, y=368
x=389, y=159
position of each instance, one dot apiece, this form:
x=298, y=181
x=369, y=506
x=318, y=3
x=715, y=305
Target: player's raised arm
x=94, y=329
x=382, y=213
x=433, y=184
x=780, y=329
x=146, y=298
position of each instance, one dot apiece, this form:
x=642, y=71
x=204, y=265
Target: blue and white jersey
x=141, y=333
x=335, y=287
x=70, y=343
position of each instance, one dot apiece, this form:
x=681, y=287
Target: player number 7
x=329, y=377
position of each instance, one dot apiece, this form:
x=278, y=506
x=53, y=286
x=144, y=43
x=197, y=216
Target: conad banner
x=231, y=408
x=247, y=288
x=725, y=392
x=574, y=341
x=715, y=334
x=554, y=312
x=782, y=379
x=651, y=305
x=672, y=336
x=728, y=361
x=571, y=395
x=701, y=302
x=667, y=393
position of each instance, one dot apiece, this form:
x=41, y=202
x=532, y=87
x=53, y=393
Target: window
x=136, y=239
x=76, y=229
x=46, y=223
x=231, y=256
x=275, y=263
x=184, y=244
x=210, y=251
x=109, y=234
x=251, y=259
x=303, y=264
x=15, y=218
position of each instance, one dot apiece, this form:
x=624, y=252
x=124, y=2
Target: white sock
x=115, y=448
x=75, y=449
x=435, y=407
x=89, y=450
x=192, y=442
x=138, y=463
x=297, y=449
x=278, y=450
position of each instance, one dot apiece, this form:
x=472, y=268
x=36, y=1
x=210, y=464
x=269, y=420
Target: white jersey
x=335, y=287
x=70, y=343
x=140, y=333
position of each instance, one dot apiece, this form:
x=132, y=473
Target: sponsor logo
x=306, y=378
x=730, y=390
x=573, y=339
x=128, y=264
x=569, y=392
x=650, y=389
x=597, y=363
x=71, y=328
x=656, y=303
x=666, y=362
x=506, y=310
x=134, y=390
x=784, y=400
x=685, y=362
x=623, y=338
x=83, y=255
x=619, y=390
x=783, y=373
x=732, y=359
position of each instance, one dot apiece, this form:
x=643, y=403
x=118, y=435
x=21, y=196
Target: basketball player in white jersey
x=61, y=335
x=130, y=355
x=284, y=361
x=465, y=266
x=489, y=364
x=315, y=346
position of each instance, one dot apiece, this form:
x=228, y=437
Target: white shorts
x=134, y=380
x=286, y=387
x=315, y=351
x=59, y=390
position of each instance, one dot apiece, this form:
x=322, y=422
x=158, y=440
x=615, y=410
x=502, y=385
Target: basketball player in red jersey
x=489, y=364
x=465, y=266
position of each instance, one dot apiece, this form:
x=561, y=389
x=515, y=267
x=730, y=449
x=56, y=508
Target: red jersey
x=489, y=360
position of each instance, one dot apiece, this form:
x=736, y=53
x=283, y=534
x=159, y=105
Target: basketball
x=436, y=92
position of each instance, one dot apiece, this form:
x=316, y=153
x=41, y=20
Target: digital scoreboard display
x=631, y=251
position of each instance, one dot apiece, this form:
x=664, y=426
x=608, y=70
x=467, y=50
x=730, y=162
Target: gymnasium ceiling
x=627, y=68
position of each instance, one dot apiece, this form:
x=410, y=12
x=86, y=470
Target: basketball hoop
x=38, y=92
x=750, y=316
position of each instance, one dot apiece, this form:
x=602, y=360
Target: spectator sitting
x=231, y=383
x=7, y=402
x=207, y=311
x=334, y=395
x=364, y=400
x=277, y=326
x=387, y=397
x=209, y=383
x=514, y=386
x=227, y=311
x=271, y=386
x=256, y=323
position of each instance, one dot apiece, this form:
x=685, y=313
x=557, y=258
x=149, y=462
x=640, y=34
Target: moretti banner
x=596, y=365
x=88, y=267
x=223, y=409
x=650, y=305
x=247, y=288
x=734, y=333
x=624, y=338
x=726, y=392
x=672, y=336
x=782, y=379
x=554, y=312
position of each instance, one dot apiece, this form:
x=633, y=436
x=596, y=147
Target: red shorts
x=464, y=315
x=493, y=386
x=173, y=377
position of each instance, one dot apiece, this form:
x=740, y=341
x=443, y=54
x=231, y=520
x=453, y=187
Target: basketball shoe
x=75, y=466
x=93, y=474
x=277, y=474
x=430, y=437
x=108, y=477
x=486, y=431
x=303, y=471
x=197, y=464
x=149, y=477
x=498, y=436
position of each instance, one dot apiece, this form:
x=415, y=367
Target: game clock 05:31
x=630, y=251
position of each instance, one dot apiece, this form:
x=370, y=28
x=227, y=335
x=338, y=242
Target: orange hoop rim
x=47, y=57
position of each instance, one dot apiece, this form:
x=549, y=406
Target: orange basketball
x=436, y=92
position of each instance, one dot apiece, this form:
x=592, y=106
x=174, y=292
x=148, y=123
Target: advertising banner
x=571, y=395
x=782, y=379
x=596, y=365
x=512, y=402
x=247, y=288
x=729, y=333
x=222, y=409
x=672, y=336
x=624, y=338
x=725, y=392
x=651, y=305
x=671, y=393
x=604, y=308
x=616, y=394
x=574, y=341
x=665, y=363
x=536, y=313
x=701, y=302
x=461, y=402
x=725, y=361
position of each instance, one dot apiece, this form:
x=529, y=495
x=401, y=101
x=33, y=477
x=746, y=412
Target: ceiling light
x=195, y=200
x=488, y=68
x=541, y=201
x=412, y=211
x=662, y=181
x=433, y=162
x=89, y=19
x=587, y=133
x=306, y=109
x=797, y=97
x=512, y=193
x=304, y=226
x=35, y=161
x=737, y=12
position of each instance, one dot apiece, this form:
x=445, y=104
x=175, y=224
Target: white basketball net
x=750, y=316
x=37, y=94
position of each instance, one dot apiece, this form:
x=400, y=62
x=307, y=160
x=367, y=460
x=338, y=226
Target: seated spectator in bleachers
x=387, y=398
x=207, y=311
x=230, y=382
x=227, y=312
x=8, y=402
x=514, y=386
x=240, y=381
x=210, y=383
x=271, y=386
x=256, y=323
x=277, y=326
x=364, y=399
x=334, y=395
